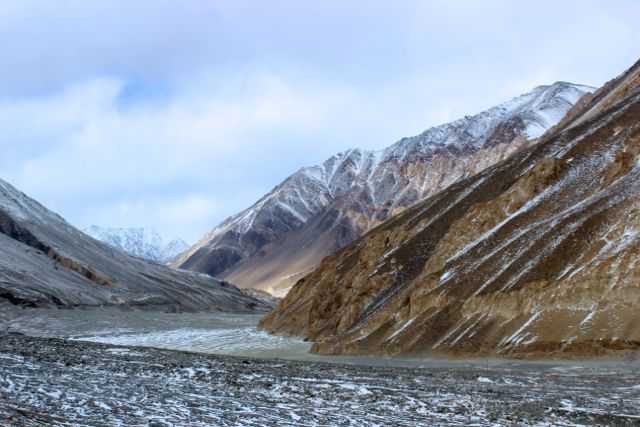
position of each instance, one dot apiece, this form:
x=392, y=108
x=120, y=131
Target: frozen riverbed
x=212, y=333
x=216, y=333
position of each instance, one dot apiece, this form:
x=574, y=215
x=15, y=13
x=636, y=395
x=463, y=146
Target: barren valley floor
x=55, y=381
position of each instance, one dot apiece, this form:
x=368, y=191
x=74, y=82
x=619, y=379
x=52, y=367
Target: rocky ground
x=46, y=381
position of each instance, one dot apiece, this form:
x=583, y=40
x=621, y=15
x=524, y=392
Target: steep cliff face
x=322, y=208
x=537, y=255
x=44, y=261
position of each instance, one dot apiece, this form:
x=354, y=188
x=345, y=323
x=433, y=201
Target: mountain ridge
x=354, y=190
x=535, y=256
x=45, y=262
x=142, y=242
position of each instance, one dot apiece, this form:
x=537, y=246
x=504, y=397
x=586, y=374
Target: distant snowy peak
x=173, y=249
x=141, y=242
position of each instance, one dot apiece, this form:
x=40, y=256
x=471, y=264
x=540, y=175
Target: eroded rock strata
x=537, y=255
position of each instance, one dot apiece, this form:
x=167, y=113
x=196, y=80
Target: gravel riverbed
x=51, y=381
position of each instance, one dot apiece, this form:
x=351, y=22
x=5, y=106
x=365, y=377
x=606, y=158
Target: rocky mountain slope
x=320, y=209
x=141, y=242
x=44, y=261
x=537, y=255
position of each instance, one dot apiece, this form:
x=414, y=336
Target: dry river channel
x=111, y=367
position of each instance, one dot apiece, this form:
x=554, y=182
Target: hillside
x=45, y=262
x=537, y=255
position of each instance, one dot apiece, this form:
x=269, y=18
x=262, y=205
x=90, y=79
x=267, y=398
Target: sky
x=175, y=115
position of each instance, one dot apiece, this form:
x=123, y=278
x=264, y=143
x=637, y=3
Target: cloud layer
x=176, y=116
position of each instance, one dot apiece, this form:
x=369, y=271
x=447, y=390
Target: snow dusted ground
x=49, y=381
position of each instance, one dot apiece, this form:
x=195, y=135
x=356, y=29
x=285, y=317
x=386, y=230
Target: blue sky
x=177, y=114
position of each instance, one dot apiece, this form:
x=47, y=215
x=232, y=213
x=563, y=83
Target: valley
x=48, y=381
x=483, y=270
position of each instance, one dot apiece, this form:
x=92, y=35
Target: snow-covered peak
x=535, y=111
x=173, y=249
x=538, y=110
x=385, y=180
x=141, y=242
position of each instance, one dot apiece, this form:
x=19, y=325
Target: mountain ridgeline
x=320, y=209
x=45, y=262
x=141, y=242
x=536, y=255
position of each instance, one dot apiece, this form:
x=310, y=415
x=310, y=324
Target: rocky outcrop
x=535, y=256
x=44, y=261
x=320, y=209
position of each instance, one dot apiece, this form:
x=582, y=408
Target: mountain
x=143, y=243
x=172, y=250
x=320, y=209
x=536, y=256
x=44, y=261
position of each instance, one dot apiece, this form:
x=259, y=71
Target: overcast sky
x=177, y=114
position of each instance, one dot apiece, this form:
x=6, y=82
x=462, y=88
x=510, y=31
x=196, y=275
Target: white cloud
x=146, y=113
x=88, y=154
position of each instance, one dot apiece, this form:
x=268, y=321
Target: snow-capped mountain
x=170, y=251
x=142, y=242
x=535, y=256
x=44, y=261
x=319, y=209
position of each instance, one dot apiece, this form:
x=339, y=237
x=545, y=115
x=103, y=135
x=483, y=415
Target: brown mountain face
x=279, y=264
x=537, y=255
x=321, y=209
